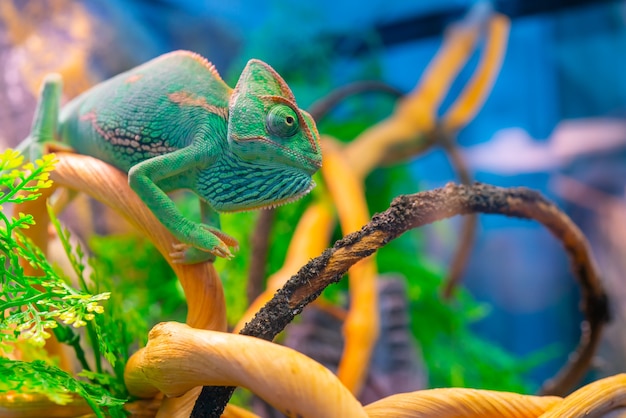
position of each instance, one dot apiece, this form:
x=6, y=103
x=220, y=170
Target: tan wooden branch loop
x=461, y=403
x=179, y=358
x=593, y=400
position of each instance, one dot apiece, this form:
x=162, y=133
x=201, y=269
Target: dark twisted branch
x=413, y=211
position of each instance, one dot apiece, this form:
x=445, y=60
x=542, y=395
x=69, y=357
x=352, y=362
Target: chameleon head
x=269, y=134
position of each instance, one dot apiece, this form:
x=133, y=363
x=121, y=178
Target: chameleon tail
x=45, y=120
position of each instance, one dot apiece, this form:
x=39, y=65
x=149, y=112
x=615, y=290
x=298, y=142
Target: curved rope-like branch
x=461, y=403
x=413, y=211
x=179, y=358
x=476, y=91
x=595, y=399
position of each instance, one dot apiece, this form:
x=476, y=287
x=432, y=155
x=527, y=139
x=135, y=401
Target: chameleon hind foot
x=186, y=254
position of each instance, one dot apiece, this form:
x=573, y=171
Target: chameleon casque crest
x=173, y=123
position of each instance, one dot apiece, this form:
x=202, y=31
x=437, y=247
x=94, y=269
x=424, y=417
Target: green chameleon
x=172, y=123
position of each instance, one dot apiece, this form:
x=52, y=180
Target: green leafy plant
x=34, y=306
x=40, y=377
x=146, y=289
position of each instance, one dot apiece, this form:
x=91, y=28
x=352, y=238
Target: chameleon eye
x=282, y=121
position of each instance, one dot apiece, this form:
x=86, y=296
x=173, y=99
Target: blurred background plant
x=554, y=114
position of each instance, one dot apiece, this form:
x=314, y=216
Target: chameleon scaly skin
x=172, y=123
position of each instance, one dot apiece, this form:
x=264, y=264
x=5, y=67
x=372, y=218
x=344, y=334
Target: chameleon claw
x=221, y=250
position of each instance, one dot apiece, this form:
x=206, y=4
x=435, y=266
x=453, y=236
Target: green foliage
x=40, y=377
x=33, y=306
x=146, y=289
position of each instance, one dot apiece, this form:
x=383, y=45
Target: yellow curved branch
x=461, y=403
x=419, y=111
x=595, y=399
x=178, y=358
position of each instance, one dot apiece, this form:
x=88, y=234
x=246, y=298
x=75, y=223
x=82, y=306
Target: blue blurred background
x=554, y=120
